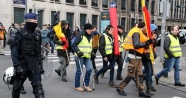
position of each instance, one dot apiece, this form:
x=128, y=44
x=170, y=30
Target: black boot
x=102, y=75
x=38, y=91
x=119, y=77
x=15, y=95
x=120, y=92
x=23, y=91
x=153, y=89
x=149, y=89
x=142, y=94
x=96, y=79
x=58, y=72
x=95, y=70
x=111, y=83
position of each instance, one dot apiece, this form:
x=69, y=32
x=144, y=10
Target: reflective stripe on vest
x=128, y=43
x=120, y=43
x=108, y=45
x=174, y=47
x=86, y=47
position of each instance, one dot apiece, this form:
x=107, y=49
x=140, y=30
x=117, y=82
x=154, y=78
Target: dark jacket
x=102, y=46
x=79, y=39
x=67, y=34
x=167, y=45
x=137, y=44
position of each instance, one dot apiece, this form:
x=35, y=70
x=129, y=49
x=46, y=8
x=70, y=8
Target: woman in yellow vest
x=106, y=50
x=135, y=42
x=172, y=56
x=83, y=47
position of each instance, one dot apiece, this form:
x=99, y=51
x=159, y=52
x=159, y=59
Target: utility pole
x=163, y=29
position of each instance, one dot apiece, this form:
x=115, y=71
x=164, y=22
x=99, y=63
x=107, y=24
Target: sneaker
x=79, y=89
x=153, y=89
x=88, y=89
x=96, y=79
x=120, y=92
x=142, y=94
x=111, y=83
x=179, y=84
x=64, y=80
x=58, y=72
x=23, y=91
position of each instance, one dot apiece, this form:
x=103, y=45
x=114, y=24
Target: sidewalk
x=169, y=81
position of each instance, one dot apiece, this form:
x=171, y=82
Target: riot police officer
x=26, y=53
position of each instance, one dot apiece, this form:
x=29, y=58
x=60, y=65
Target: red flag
x=113, y=22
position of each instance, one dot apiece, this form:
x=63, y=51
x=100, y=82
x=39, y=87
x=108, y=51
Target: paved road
x=55, y=88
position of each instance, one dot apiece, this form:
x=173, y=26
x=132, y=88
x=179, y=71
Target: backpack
x=72, y=41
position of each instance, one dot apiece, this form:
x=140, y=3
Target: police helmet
x=8, y=76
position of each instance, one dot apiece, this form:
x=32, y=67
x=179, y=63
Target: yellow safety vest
x=108, y=44
x=58, y=46
x=120, y=44
x=174, y=47
x=128, y=43
x=86, y=47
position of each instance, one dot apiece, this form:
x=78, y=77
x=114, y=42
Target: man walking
x=135, y=43
x=172, y=56
x=2, y=39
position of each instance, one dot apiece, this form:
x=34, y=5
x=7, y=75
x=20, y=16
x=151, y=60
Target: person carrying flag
x=135, y=42
x=146, y=61
x=62, y=39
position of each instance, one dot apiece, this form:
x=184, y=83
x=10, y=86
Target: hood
x=64, y=22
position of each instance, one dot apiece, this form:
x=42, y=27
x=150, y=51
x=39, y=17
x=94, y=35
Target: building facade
x=79, y=12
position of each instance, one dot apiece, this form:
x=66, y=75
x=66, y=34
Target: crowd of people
x=26, y=40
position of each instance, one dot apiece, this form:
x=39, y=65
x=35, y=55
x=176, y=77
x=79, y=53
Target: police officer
x=135, y=43
x=26, y=53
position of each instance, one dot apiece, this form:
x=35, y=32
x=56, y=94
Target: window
x=95, y=3
x=152, y=7
x=147, y=3
x=132, y=22
x=82, y=2
x=139, y=6
x=52, y=16
x=123, y=4
x=123, y=19
x=82, y=19
x=140, y=20
x=22, y=2
x=133, y=5
x=55, y=0
x=70, y=19
x=40, y=18
x=105, y=3
x=152, y=21
x=95, y=20
x=18, y=15
x=69, y=1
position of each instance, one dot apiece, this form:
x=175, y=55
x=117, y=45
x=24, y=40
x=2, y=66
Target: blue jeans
x=105, y=67
x=52, y=45
x=170, y=63
x=88, y=64
x=147, y=70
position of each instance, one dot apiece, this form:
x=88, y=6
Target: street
x=55, y=88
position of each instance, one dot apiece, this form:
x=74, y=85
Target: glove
x=80, y=54
x=42, y=71
x=105, y=59
x=63, y=43
x=148, y=42
x=19, y=70
x=93, y=56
